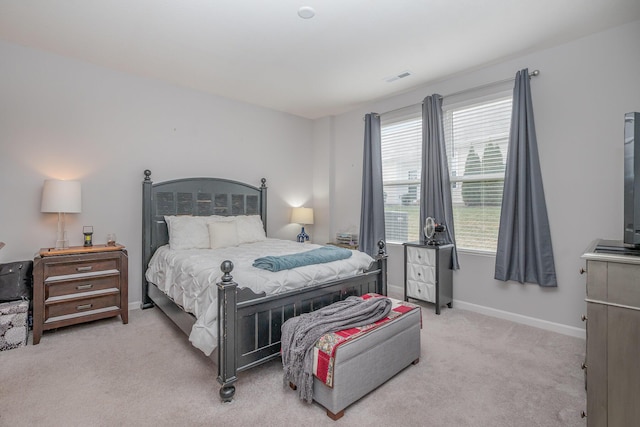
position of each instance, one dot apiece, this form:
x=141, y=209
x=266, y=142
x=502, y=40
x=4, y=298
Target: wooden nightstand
x=78, y=285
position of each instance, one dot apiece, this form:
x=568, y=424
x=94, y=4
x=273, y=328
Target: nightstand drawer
x=421, y=256
x=79, y=286
x=64, y=307
x=421, y=291
x=84, y=266
x=421, y=273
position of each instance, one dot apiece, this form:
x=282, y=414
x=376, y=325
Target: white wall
x=580, y=98
x=65, y=119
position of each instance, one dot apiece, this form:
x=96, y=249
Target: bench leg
x=335, y=417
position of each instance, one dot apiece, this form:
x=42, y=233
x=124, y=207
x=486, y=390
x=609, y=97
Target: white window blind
x=401, y=134
x=476, y=136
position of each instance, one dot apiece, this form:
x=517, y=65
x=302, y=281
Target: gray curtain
x=435, y=188
x=524, y=251
x=372, y=207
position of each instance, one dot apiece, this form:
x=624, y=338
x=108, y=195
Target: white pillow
x=219, y=218
x=250, y=229
x=187, y=232
x=222, y=234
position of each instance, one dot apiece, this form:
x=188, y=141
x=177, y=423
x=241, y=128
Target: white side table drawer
x=422, y=291
x=421, y=256
x=421, y=273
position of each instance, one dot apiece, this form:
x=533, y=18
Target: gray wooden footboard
x=249, y=324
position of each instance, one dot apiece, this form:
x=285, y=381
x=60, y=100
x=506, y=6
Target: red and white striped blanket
x=325, y=349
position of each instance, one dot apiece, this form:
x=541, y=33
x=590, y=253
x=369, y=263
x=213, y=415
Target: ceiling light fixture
x=306, y=12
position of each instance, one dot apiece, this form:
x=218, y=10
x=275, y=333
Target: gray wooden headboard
x=192, y=196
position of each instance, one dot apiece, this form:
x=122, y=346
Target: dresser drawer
x=421, y=256
x=79, y=306
x=421, y=273
x=55, y=289
x=82, y=266
x=422, y=291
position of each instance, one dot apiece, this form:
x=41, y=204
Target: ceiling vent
x=402, y=75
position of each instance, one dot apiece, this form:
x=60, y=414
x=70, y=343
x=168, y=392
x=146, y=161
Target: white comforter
x=188, y=277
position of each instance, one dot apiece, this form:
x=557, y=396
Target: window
x=401, y=134
x=476, y=136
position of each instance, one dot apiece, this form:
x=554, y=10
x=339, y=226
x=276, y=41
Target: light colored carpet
x=474, y=371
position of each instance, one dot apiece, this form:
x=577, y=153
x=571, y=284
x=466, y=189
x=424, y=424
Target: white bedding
x=189, y=276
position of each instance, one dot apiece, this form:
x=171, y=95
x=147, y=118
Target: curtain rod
x=534, y=73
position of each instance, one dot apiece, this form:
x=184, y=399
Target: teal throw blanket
x=314, y=256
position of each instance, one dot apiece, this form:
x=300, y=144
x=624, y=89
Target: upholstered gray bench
x=366, y=362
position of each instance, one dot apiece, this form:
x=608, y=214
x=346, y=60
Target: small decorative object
x=430, y=229
x=61, y=197
x=302, y=216
x=346, y=238
x=111, y=239
x=87, y=230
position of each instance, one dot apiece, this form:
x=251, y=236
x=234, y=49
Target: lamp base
x=303, y=237
x=62, y=241
x=62, y=244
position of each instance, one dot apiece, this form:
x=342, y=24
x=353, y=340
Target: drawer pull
x=87, y=268
x=583, y=317
x=84, y=306
x=583, y=366
x=83, y=287
x=419, y=274
x=583, y=414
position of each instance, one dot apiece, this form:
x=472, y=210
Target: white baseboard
x=514, y=317
x=135, y=305
x=525, y=320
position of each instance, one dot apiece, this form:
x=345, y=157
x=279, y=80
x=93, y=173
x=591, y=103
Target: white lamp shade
x=302, y=215
x=61, y=196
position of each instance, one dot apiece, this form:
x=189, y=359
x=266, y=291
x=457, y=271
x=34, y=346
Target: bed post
x=147, y=185
x=227, y=299
x=382, y=263
x=263, y=203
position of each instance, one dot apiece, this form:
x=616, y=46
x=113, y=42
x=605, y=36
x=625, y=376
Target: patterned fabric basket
x=13, y=324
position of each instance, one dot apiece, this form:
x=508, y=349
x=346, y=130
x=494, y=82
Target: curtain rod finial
x=534, y=73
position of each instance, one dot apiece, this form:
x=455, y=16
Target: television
x=632, y=179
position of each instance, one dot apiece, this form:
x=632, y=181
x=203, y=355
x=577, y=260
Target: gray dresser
x=427, y=273
x=612, y=362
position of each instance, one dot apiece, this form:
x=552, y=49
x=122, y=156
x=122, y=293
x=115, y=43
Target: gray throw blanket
x=313, y=256
x=299, y=335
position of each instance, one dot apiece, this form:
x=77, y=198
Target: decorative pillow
x=250, y=229
x=222, y=234
x=187, y=232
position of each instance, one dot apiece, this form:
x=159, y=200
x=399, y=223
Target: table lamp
x=302, y=216
x=61, y=197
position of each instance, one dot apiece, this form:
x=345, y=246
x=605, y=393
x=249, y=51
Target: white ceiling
x=261, y=52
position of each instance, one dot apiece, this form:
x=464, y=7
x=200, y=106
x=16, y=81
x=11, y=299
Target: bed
x=247, y=322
